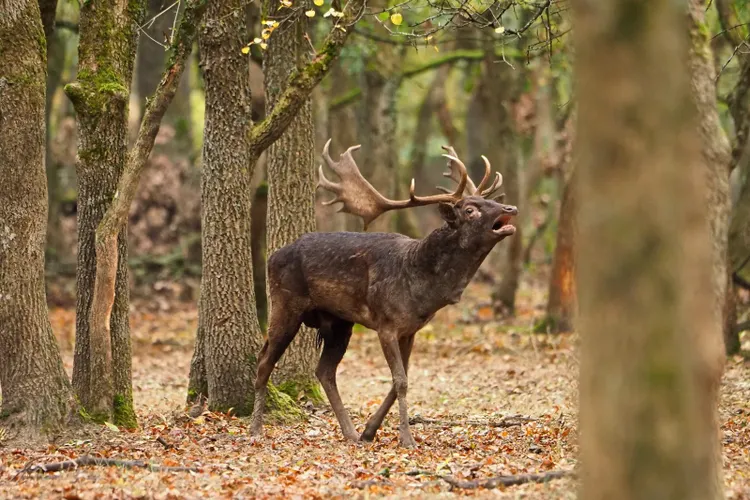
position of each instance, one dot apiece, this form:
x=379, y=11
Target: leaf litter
x=485, y=399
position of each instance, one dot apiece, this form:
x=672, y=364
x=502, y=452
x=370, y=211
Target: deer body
x=386, y=282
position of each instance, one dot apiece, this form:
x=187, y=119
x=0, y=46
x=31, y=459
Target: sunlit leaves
x=319, y=3
x=397, y=18
x=310, y=13
x=500, y=30
x=269, y=27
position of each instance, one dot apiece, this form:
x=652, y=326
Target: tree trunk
x=291, y=174
x=229, y=333
x=716, y=155
x=651, y=347
x=100, y=95
x=344, y=132
x=500, y=87
x=561, y=302
x=36, y=393
x=258, y=218
x=379, y=156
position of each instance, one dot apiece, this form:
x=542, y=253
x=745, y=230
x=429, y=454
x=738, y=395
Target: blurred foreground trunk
x=651, y=346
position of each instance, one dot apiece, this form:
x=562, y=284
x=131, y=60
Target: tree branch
x=730, y=25
x=301, y=83
x=494, y=482
x=447, y=58
x=87, y=460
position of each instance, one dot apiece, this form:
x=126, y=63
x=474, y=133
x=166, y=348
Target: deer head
x=473, y=211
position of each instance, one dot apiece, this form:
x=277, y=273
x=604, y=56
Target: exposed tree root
x=87, y=460
x=510, y=421
x=498, y=481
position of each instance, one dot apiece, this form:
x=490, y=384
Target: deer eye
x=469, y=211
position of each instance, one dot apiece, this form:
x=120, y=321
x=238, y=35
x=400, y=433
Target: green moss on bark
x=295, y=389
x=124, y=413
x=281, y=408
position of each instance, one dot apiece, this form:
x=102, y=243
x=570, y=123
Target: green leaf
x=112, y=426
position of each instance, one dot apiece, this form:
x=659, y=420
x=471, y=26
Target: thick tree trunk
x=291, y=174
x=651, y=347
x=716, y=155
x=36, y=393
x=106, y=54
x=228, y=334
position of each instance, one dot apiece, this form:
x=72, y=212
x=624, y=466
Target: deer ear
x=448, y=213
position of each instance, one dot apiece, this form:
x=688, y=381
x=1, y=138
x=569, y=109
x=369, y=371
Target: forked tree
x=387, y=282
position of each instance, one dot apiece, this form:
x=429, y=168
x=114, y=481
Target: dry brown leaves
x=461, y=374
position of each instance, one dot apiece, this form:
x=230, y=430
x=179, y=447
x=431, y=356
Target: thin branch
x=497, y=481
x=510, y=421
x=107, y=462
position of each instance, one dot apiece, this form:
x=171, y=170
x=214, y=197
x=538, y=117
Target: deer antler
x=360, y=198
x=453, y=173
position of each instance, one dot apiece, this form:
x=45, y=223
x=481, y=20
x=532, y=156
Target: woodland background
x=495, y=80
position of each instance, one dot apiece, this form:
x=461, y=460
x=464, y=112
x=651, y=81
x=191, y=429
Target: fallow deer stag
x=386, y=282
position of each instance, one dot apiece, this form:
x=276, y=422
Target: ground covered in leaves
x=487, y=399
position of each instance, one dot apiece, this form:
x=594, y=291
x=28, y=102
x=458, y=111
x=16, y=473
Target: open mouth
x=501, y=226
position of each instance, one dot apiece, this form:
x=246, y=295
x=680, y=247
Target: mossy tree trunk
x=291, y=174
x=651, y=346
x=100, y=95
x=36, y=393
x=229, y=334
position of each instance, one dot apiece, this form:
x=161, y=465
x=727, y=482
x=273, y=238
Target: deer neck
x=441, y=254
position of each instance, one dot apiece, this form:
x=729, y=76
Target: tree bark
x=651, y=347
x=380, y=81
x=36, y=393
x=229, y=333
x=561, y=302
x=258, y=219
x=716, y=155
x=107, y=256
x=292, y=178
x=100, y=94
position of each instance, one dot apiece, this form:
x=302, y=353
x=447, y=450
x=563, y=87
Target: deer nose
x=510, y=209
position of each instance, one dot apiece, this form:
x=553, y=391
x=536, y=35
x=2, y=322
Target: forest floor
x=466, y=375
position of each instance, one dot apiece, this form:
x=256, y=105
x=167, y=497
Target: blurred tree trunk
x=378, y=158
x=344, y=132
x=150, y=62
x=561, y=302
x=500, y=87
x=716, y=155
x=36, y=393
x=651, y=353
x=258, y=216
x=100, y=95
x=55, y=67
x=292, y=178
x=228, y=332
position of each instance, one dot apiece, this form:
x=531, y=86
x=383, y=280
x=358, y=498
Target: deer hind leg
x=405, y=345
x=282, y=328
x=389, y=341
x=336, y=340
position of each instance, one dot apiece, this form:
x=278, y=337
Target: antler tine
x=455, y=171
x=487, y=175
x=496, y=184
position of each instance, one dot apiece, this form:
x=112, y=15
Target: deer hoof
x=408, y=442
x=368, y=435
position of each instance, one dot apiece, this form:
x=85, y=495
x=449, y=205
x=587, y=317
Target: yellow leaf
x=318, y=2
x=265, y=35
x=436, y=48
x=310, y=13
x=397, y=19
x=246, y=50
x=257, y=40
x=500, y=29
x=264, y=46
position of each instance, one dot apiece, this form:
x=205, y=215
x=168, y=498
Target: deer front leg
x=405, y=346
x=334, y=347
x=389, y=343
